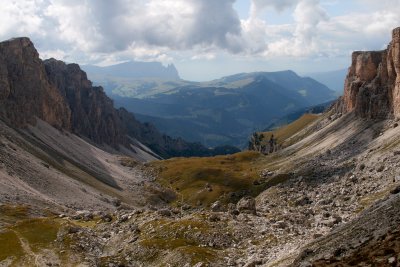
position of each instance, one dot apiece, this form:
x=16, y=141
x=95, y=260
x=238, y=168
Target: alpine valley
x=85, y=183
x=219, y=112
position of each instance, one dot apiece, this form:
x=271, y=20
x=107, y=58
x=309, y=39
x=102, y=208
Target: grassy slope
x=229, y=177
x=287, y=131
x=189, y=177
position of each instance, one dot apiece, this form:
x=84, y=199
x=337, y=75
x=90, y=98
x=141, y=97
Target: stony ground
x=338, y=205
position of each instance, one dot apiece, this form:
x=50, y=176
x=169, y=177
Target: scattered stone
x=214, y=218
x=116, y=202
x=302, y=201
x=247, y=205
x=123, y=218
x=306, y=264
x=186, y=207
x=392, y=260
x=209, y=187
x=83, y=215
x=396, y=190
x=73, y=230
x=106, y=217
x=216, y=206
x=380, y=168
x=164, y=212
x=281, y=225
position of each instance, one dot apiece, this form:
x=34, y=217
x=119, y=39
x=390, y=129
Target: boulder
x=395, y=190
x=216, y=206
x=247, y=205
x=164, y=212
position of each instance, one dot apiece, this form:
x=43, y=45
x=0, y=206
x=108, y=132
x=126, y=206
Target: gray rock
x=246, y=205
x=106, y=217
x=391, y=260
x=216, y=206
x=116, y=202
x=395, y=190
x=302, y=201
x=164, y=212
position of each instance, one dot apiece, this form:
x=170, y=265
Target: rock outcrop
x=372, y=85
x=93, y=113
x=25, y=92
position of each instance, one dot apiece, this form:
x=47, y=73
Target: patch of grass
x=10, y=214
x=10, y=245
x=39, y=233
x=180, y=238
x=174, y=229
x=206, y=180
x=284, y=133
x=198, y=254
x=368, y=200
x=128, y=162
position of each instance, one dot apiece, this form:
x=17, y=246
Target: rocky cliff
x=92, y=112
x=25, y=92
x=61, y=95
x=372, y=85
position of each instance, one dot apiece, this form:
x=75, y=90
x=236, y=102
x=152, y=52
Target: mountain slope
x=226, y=111
x=332, y=79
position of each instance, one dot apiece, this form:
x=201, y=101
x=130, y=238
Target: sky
x=204, y=39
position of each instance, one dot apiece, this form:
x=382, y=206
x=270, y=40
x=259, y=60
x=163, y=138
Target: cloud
x=97, y=26
x=113, y=31
x=258, y=6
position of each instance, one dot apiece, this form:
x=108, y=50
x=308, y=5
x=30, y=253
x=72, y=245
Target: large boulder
x=246, y=205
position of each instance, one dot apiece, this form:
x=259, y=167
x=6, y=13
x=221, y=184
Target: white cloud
x=258, y=6
x=113, y=31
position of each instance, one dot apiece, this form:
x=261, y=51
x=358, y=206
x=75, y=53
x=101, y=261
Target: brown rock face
x=372, y=86
x=25, y=92
x=92, y=112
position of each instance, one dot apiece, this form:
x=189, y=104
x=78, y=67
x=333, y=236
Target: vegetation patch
x=284, y=133
x=201, y=181
x=185, y=239
x=10, y=214
x=128, y=162
x=10, y=246
x=39, y=233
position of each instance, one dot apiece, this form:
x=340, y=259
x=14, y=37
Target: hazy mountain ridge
x=333, y=79
x=223, y=111
x=134, y=69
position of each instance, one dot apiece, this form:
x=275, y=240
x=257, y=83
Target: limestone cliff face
x=372, y=86
x=25, y=92
x=92, y=112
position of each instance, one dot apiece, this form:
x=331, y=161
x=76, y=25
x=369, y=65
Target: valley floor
x=332, y=198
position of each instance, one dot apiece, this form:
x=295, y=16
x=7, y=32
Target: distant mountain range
x=219, y=112
x=333, y=79
x=133, y=70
